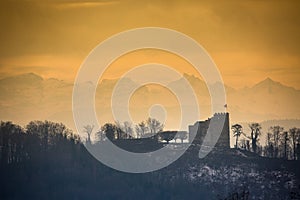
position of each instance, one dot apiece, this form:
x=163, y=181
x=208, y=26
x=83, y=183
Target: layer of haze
x=248, y=40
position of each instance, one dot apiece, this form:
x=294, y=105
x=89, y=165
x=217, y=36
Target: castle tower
x=224, y=139
x=208, y=131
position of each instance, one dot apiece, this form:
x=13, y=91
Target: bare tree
x=88, y=129
x=119, y=130
x=154, y=125
x=100, y=135
x=10, y=143
x=276, y=133
x=285, y=144
x=149, y=127
x=269, y=148
x=124, y=130
x=255, y=133
x=127, y=128
x=141, y=129
x=295, y=133
x=237, y=130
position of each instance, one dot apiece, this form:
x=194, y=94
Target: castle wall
x=210, y=128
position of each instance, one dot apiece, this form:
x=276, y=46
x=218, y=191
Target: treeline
x=36, y=139
x=279, y=143
x=150, y=128
x=46, y=160
x=125, y=130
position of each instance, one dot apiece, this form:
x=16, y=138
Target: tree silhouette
x=10, y=143
x=141, y=129
x=110, y=130
x=285, y=143
x=255, y=133
x=154, y=125
x=269, y=148
x=295, y=134
x=100, y=135
x=237, y=130
x=149, y=128
x=127, y=128
x=276, y=133
x=124, y=130
x=88, y=129
x=45, y=160
x=298, y=151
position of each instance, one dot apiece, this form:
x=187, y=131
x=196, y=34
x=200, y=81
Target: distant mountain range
x=28, y=97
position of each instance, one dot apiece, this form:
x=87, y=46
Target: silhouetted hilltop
x=40, y=164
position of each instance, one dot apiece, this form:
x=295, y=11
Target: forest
x=46, y=160
x=279, y=143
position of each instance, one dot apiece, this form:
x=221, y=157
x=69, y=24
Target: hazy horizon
x=56, y=99
x=113, y=79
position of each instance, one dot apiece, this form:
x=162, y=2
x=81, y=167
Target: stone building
x=212, y=133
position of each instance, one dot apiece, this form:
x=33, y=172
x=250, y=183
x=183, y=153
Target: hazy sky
x=248, y=40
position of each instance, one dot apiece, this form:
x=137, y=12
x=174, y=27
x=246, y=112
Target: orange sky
x=248, y=40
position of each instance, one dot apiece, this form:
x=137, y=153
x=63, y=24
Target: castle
x=212, y=133
x=208, y=132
